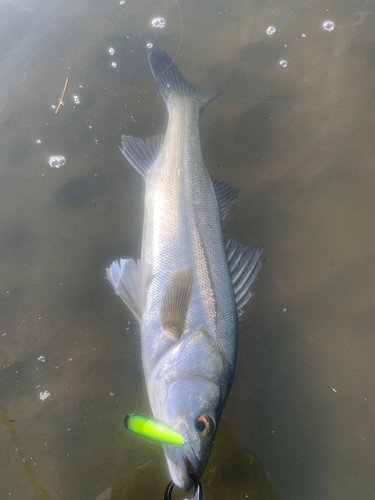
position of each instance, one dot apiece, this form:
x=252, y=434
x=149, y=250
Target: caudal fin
x=172, y=84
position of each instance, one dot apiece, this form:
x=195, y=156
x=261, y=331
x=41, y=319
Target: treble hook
x=198, y=491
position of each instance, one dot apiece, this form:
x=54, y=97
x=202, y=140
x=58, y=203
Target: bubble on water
x=56, y=161
x=113, y=64
x=122, y=2
x=149, y=45
x=303, y=35
x=44, y=395
x=76, y=99
x=329, y=25
x=159, y=22
x=270, y=30
x=111, y=50
x=38, y=141
x=283, y=63
x=42, y=359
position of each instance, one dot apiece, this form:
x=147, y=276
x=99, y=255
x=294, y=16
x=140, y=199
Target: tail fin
x=171, y=83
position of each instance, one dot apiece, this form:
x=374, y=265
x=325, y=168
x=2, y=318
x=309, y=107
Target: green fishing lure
x=153, y=429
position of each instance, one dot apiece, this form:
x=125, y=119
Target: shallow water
x=298, y=140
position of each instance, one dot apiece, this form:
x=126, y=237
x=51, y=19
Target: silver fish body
x=182, y=290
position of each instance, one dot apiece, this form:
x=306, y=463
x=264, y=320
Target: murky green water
x=298, y=140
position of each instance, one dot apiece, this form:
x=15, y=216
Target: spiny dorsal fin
x=131, y=282
x=141, y=154
x=226, y=195
x=176, y=300
x=244, y=265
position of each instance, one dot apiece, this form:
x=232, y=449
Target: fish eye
x=200, y=425
x=204, y=425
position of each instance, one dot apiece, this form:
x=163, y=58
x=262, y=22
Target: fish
x=190, y=286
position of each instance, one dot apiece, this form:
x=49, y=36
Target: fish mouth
x=182, y=461
x=179, y=470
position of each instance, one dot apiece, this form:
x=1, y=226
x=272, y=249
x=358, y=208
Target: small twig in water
x=62, y=96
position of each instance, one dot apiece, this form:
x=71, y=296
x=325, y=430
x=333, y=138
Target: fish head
x=193, y=411
x=187, y=392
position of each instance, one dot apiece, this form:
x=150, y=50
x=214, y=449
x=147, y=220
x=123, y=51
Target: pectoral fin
x=141, y=154
x=176, y=300
x=131, y=282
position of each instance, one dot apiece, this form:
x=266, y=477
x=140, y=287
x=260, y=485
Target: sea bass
x=189, y=287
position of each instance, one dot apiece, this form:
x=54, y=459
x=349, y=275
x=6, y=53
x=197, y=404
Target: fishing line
x=250, y=100
x=179, y=43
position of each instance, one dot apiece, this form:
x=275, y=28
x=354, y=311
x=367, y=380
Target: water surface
x=298, y=140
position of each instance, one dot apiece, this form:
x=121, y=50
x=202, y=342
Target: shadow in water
x=232, y=472
x=37, y=487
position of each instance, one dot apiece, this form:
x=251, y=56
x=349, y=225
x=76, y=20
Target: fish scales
x=188, y=289
x=182, y=226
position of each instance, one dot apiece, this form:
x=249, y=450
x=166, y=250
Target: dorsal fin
x=176, y=300
x=226, y=195
x=244, y=264
x=141, y=154
x=131, y=282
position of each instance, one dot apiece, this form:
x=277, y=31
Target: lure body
x=153, y=429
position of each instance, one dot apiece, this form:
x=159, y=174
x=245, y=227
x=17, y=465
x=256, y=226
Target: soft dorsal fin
x=244, y=264
x=141, y=154
x=226, y=195
x=131, y=282
x=176, y=300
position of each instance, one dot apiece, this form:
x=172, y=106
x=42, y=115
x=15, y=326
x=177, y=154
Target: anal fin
x=176, y=300
x=131, y=282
